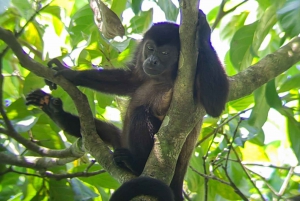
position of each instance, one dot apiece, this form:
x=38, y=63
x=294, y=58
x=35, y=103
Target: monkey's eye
x=165, y=52
x=149, y=47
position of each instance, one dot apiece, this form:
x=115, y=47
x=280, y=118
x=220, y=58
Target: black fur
x=143, y=186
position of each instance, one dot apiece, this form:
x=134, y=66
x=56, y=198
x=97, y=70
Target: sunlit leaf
x=288, y=16
x=292, y=82
x=170, y=10
x=141, y=23
x=293, y=129
x=136, y=6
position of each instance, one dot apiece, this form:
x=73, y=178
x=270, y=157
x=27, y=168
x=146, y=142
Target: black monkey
x=149, y=81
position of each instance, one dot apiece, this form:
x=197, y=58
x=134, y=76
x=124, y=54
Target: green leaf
x=170, y=10
x=25, y=124
x=53, y=10
x=248, y=39
x=24, y=8
x=289, y=16
x=293, y=129
x=82, y=22
x=32, y=82
x=118, y=6
x=17, y=110
x=102, y=180
x=136, y=6
x=236, y=22
x=240, y=104
x=224, y=190
x=104, y=100
x=241, y=43
x=60, y=190
x=141, y=23
x=264, y=4
x=292, y=82
x=272, y=97
x=259, y=114
x=194, y=181
x=81, y=191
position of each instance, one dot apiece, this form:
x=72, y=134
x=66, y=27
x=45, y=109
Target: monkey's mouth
x=152, y=71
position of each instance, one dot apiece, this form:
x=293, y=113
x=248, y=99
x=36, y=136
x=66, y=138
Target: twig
x=223, y=13
x=49, y=174
x=90, y=165
x=230, y=147
x=210, y=176
x=73, y=151
x=264, y=179
x=245, y=170
x=265, y=165
x=232, y=184
x=286, y=182
x=186, y=196
x=220, y=126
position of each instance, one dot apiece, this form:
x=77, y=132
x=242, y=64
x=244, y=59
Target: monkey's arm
x=68, y=122
x=113, y=81
x=211, y=84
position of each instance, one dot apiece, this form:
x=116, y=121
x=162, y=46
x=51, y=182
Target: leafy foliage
x=254, y=145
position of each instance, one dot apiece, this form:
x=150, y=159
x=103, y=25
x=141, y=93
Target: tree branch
x=33, y=162
x=173, y=134
x=245, y=82
x=73, y=151
x=223, y=13
x=49, y=174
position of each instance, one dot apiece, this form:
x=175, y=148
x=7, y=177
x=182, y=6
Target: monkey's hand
x=123, y=159
x=50, y=105
x=61, y=69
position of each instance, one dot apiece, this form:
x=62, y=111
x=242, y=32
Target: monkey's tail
x=143, y=186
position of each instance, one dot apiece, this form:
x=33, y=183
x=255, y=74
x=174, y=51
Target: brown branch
x=220, y=126
x=286, y=182
x=245, y=82
x=262, y=164
x=49, y=174
x=245, y=169
x=223, y=13
x=33, y=162
x=232, y=184
x=264, y=180
x=73, y=151
x=173, y=134
x=213, y=177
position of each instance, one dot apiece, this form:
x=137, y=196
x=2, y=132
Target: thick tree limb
x=245, y=82
x=173, y=133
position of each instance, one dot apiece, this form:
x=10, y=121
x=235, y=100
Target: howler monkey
x=149, y=81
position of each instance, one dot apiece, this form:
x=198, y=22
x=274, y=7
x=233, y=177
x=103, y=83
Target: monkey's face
x=159, y=59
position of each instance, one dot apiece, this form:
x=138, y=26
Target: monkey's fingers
x=51, y=85
x=121, y=155
x=37, y=98
x=57, y=64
